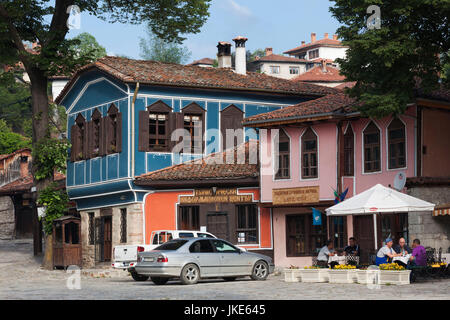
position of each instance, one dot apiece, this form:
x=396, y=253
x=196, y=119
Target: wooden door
x=217, y=224
x=107, y=238
x=363, y=232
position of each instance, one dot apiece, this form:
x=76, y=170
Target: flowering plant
x=344, y=267
x=391, y=266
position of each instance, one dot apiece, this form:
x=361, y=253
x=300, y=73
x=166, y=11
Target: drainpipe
x=133, y=129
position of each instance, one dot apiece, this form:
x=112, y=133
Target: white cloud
x=239, y=9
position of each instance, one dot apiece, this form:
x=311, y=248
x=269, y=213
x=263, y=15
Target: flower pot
x=397, y=277
x=292, y=275
x=367, y=276
x=343, y=276
x=314, y=275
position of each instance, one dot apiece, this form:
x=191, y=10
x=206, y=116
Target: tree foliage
x=156, y=49
x=388, y=63
x=55, y=201
x=11, y=141
x=50, y=155
x=87, y=46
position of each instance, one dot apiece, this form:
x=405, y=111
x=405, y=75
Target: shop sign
x=215, y=195
x=295, y=195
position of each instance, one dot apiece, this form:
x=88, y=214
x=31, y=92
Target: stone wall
x=134, y=230
x=431, y=231
x=7, y=218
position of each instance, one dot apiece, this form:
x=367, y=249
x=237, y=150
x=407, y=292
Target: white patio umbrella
x=379, y=199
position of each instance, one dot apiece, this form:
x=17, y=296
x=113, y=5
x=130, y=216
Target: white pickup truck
x=125, y=257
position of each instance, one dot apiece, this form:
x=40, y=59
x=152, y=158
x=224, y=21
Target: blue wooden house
x=120, y=114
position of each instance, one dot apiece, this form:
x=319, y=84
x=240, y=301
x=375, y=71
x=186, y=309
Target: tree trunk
x=47, y=262
x=40, y=131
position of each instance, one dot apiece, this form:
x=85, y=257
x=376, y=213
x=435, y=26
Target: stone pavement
x=22, y=278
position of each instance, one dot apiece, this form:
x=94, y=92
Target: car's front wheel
x=159, y=281
x=260, y=270
x=190, y=274
x=138, y=277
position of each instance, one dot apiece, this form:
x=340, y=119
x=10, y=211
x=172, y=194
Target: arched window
x=78, y=139
x=284, y=155
x=193, y=124
x=372, y=148
x=349, y=151
x=309, y=154
x=396, y=144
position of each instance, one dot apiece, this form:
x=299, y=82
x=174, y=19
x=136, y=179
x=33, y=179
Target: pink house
x=309, y=150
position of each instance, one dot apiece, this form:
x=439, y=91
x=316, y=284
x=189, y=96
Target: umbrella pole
x=375, y=230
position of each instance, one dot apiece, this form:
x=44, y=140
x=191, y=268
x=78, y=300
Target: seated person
x=324, y=253
x=352, y=250
x=402, y=247
x=419, y=254
x=386, y=253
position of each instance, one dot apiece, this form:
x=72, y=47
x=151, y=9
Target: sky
x=280, y=24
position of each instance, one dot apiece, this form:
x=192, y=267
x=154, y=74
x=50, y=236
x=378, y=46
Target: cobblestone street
x=22, y=278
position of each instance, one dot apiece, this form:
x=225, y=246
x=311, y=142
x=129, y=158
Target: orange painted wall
x=161, y=210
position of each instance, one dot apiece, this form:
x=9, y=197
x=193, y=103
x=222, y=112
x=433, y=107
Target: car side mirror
x=242, y=250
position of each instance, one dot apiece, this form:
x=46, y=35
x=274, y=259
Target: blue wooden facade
x=106, y=180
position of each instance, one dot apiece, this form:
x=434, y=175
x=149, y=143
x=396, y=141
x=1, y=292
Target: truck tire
x=260, y=270
x=138, y=277
x=159, y=281
x=190, y=274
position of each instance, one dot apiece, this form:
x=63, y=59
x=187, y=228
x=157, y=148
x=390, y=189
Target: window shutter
x=119, y=133
x=172, y=126
x=108, y=135
x=179, y=120
x=102, y=142
x=74, y=133
x=90, y=139
x=86, y=140
x=143, y=131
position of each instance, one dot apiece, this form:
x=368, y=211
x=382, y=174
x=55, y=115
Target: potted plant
x=367, y=275
x=314, y=274
x=343, y=273
x=392, y=273
x=292, y=274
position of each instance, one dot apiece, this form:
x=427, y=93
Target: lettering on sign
x=214, y=196
x=295, y=195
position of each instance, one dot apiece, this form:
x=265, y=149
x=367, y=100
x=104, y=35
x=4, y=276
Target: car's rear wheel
x=190, y=274
x=159, y=281
x=138, y=277
x=260, y=270
x=229, y=278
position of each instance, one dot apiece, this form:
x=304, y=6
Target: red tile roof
x=278, y=58
x=171, y=74
x=316, y=74
x=348, y=84
x=328, y=106
x=25, y=183
x=202, y=61
x=206, y=169
x=8, y=155
x=326, y=42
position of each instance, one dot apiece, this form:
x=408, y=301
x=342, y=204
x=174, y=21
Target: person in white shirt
x=386, y=253
x=324, y=253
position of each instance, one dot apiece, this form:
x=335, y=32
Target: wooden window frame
x=247, y=229
x=236, y=116
x=309, y=135
x=272, y=68
x=190, y=225
x=313, y=54
x=91, y=230
x=194, y=110
x=284, y=157
x=341, y=234
x=308, y=234
x=294, y=68
x=78, y=136
x=371, y=128
x=349, y=152
x=123, y=225
x=393, y=144
x=95, y=134
x=113, y=130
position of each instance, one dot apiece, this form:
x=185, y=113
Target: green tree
x=88, y=46
x=11, y=141
x=388, y=63
x=157, y=49
x=45, y=22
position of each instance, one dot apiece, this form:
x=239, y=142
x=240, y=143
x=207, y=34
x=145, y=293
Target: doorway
x=103, y=238
x=363, y=232
x=217, y=224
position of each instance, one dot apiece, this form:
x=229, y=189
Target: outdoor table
x=339, y=259
x=445, y=256
x=404, y=259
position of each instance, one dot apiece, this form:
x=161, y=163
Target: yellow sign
x=214, y=196
x=295, y=195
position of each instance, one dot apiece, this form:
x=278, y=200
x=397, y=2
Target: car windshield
x=171, y=245
x=185, y=235
x=204, y=235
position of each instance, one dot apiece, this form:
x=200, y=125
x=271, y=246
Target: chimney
x=303, y=42
x=269, y=51
x=224, y=54
x=334, y=36
x=313, y=37
x=324, y=66
x=240, y=59
x=325, y=36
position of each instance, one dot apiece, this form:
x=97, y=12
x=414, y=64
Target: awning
x=442, y=210
x=379, y=199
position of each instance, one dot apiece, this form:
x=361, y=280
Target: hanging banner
x=317, y=217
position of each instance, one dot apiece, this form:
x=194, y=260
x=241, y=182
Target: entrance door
x=217, y=224
x=363, y=231
x=108, y=239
